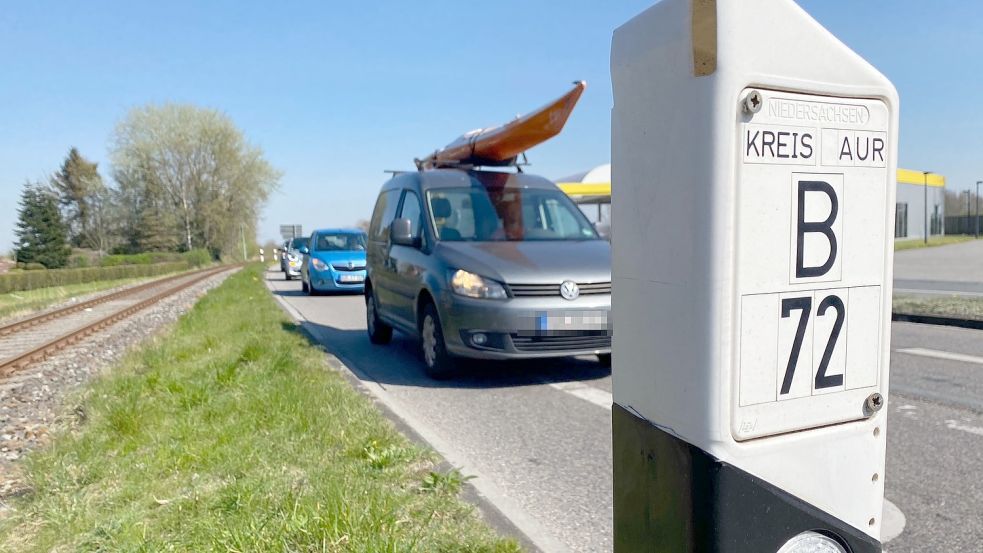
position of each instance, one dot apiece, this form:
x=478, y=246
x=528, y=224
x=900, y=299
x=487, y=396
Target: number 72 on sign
x=822, y=380
x=803, y=344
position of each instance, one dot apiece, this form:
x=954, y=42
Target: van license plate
x=577, y=320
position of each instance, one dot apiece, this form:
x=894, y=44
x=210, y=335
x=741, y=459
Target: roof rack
x=518, y=162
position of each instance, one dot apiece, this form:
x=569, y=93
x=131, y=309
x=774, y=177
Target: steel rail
x=38, y=353
x=35, y=320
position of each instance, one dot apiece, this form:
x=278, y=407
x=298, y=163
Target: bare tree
x=103, y=228
x=197, y=163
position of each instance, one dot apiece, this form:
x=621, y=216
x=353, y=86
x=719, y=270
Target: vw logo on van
x=569, y=290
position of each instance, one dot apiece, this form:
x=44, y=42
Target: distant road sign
x=289, y=232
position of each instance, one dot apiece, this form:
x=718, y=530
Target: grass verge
x=914, y=243
x=939, y=306
x=231, y=434
x=18, y=303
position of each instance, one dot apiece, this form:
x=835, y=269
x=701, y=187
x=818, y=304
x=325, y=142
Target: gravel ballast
x=33, y=402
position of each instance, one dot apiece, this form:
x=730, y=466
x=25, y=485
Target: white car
x=292, y=257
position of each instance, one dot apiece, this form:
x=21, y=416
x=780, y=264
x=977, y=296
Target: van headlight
x=318, y=264
x=471, y=285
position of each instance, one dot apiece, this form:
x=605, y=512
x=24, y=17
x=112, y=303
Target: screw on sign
x=748, y=416
x=752, y=102
x=874, y=403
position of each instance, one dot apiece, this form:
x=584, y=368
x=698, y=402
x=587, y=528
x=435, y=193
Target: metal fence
x=963, y=224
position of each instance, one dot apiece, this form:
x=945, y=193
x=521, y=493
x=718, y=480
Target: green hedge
x=31, y=280
x=195, y=258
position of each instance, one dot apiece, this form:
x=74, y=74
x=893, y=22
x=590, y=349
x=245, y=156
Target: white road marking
x=937, y=354
x=583, y=391
x=937, y=292
x=954, y=425
x=893, y=522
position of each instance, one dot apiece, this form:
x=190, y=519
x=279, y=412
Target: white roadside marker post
x=754, y=156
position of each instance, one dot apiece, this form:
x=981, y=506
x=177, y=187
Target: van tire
x=379, y=332
x=604, y=359
x=437, y=362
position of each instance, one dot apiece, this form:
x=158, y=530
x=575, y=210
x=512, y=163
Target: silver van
x=486, y=264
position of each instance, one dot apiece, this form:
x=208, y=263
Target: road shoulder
x=499, y=511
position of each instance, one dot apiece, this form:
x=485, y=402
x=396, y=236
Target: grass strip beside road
x=958, y=307
x=231, y=434
x=913, y=243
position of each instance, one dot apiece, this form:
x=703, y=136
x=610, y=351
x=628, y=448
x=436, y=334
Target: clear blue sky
x=336, y=92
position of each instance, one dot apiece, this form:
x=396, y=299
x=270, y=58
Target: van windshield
x=493, y=214
x=298, y=243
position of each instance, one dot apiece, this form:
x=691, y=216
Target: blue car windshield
x=342, y=241
x=487, y=214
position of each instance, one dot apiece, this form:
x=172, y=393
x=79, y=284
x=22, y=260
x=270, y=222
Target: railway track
x=33, y=339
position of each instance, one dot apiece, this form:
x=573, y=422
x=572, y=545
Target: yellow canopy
x=590, y=191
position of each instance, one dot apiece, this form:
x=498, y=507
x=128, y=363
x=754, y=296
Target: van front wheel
x=438, y=364
x=379, y=332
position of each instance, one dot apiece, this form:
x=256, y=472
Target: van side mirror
x=603, y=230
x=401, y=233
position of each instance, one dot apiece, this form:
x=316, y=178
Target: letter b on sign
x=817, y=228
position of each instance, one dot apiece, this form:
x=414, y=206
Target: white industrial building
x=591, y=189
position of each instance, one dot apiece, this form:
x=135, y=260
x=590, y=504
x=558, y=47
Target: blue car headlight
x=318, y=264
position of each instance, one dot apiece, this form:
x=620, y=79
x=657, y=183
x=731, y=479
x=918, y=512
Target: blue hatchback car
x=334, y=261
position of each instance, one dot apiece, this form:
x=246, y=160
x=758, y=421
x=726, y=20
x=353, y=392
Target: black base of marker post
x=670, y=496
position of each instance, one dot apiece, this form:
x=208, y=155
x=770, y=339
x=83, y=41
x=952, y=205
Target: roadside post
x=755, y=157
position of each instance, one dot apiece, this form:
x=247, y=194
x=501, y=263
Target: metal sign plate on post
x=811, y=259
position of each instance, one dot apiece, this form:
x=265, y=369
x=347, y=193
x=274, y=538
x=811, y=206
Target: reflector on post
x=754, y=155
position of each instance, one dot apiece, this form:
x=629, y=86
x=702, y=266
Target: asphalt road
x=939, y=287
x=538, y=434
x=956, y=269
x=935, y=437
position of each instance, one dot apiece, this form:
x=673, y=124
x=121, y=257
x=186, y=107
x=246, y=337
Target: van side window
x=383, y=215
x=413, y=210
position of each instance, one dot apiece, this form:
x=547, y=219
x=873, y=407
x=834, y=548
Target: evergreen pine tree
x=78, y=186
x=42, y=235
x=156, y=230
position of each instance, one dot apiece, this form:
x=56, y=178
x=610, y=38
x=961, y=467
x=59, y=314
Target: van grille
x=586, y=340
x=544, y=290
